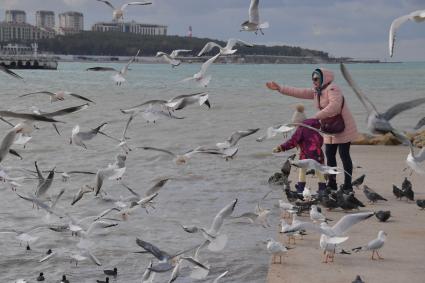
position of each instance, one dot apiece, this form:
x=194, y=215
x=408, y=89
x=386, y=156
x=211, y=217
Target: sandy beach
x=404, y=250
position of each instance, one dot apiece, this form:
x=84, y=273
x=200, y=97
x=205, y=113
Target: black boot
x=300, y=187
x=332, y=183
x=347, y=188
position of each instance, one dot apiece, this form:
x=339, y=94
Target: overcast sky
x=353, y=28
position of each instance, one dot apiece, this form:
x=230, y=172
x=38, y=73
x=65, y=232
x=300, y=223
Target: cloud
x=75, y=3
x=354, y=28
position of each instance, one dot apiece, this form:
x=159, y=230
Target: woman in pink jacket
x=331, y=104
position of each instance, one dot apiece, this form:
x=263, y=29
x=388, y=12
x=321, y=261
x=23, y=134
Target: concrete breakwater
x=28, y=62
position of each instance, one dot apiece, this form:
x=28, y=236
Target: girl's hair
x=299, y=107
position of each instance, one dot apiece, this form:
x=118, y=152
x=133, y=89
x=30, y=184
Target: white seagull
x=235, y=137
x=276, y=249
x=78, y=137
x=416, y=16
x=217, y=241
x=119, y=78
x=374, y=245
x=59, y=95
x=200, y=77
x=171, y=58
x=413, y=160
x=226, y=50
x=378, y=123
x=272, y=131
x=253, y=22
x=313, y=164
x=118, y=13
x=329, y=246
x=337, y=230
x=180, y=159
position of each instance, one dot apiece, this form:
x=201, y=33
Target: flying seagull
x=118, y=13
x=253, y=22
x=180, y=159
x=58, y=96
x=119, y=78
x=416, y=16
x=200, y=77
x=165, y=259
x=420, y=124
x=413, y=160
x=78, y=138
x=226, y=50
x=235, y=137
x=313, y=164
x=217, y=241
x=9, y=72
x=378, y=123
x=171, y=58
x=102, y=69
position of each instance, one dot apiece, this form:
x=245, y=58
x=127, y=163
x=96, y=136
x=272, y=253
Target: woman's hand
x=277, y=149
x=273, y=86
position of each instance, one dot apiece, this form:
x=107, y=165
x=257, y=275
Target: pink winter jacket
x=330, y=102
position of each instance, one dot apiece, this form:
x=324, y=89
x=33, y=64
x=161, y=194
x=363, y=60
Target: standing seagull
x=253, y=23
x=378, y=123
x=118, y=13
x=374, y=245
x=226, y=50
x=200, y=76
x=416, y=16
x=119, y=77
x=276, y=249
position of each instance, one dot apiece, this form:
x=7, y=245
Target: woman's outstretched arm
x=303, y=93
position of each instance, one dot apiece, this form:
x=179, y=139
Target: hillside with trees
x=127, y=44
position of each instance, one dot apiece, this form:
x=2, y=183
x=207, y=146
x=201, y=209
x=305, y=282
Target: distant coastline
x=233, y=59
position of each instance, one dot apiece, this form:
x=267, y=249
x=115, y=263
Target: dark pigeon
x=371, y=195
x=383, y=216
x=358, y=279
x=357, y=182
x=421, y=203
x=398, y=193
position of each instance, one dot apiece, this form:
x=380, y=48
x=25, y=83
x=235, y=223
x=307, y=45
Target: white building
x=70, y=22
x=45, y=19
x=15, y=16
x=131, y=27
x=21, y=32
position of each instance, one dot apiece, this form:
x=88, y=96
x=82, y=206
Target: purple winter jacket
x=309, y=141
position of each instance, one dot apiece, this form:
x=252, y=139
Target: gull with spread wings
x=253, y=23
x=416, y=16
x=200, y=77
x=58, y=96
x=171, y=58
x=226, y=50
x=119, y=78
x=9, y=72
x=118, y=13
x=378, y=122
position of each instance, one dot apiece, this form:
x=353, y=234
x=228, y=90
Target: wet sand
x=404, y=249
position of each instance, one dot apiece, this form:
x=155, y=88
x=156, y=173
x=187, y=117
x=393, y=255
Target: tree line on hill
x=127, y=44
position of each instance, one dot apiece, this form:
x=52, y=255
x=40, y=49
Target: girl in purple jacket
x=310, y=145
